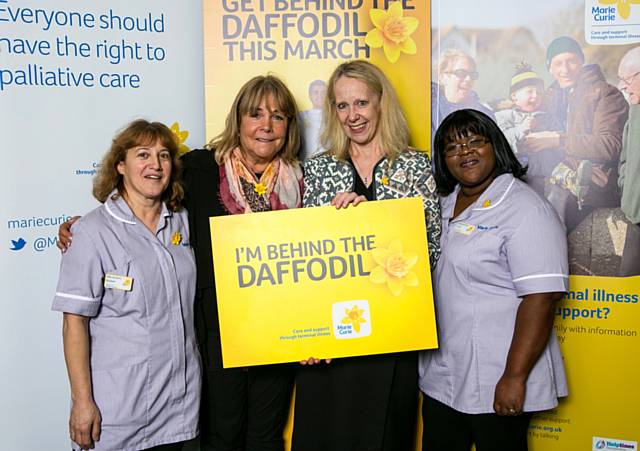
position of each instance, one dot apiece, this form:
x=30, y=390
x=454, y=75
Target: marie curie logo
x=351, y=319
x=612, y=443
x=610, y=7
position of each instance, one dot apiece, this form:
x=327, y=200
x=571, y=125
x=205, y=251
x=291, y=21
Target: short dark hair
x=463, y=123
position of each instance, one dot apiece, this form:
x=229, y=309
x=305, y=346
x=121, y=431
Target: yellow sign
x=598, y=329
x=323, y=282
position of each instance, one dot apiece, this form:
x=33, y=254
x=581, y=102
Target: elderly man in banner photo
x=629, y=170
x=591, y=114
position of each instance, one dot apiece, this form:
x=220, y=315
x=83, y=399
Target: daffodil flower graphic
x=181, y=137
x=354, y=317
x=394, y=268
x=260, y=188
x=622, y=6
x=392, y=32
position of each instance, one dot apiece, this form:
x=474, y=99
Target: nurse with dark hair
x=502, y=269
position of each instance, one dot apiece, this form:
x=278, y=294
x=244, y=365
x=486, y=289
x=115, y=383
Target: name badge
x=117, y=282
x=464, y=228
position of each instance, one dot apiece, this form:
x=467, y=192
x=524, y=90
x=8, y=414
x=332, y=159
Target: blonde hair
x=394, y=131
x=139, y=133
x=246, y=102
x=449, y=56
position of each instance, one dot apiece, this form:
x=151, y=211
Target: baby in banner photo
x=527, y=115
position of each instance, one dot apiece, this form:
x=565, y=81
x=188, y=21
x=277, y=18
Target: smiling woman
x=126, y=289
x=250, y=167
x=495, y=288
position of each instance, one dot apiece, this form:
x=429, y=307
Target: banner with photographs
x=562, y=80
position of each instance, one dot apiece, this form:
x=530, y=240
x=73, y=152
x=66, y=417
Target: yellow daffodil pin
x=394, y=268
x=260, y=188
x=181, y=137
x=622, y=6
x=486, y=203
x=392, y=32
x=176, y=239
x=384, y=180
x=354, y=317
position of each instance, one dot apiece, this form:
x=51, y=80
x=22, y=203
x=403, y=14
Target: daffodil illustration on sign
x=394, y=268
x=354, y=317
x=392, y=32
x=623, y=7
x=181, y=137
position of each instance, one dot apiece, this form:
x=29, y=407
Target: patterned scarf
x=279, y=186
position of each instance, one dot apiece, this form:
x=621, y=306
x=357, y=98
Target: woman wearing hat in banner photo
x=250, y=167
x=527, y=116
x=363, y=402
x=126, y=288
x=496, y=285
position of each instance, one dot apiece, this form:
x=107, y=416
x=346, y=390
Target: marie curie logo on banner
x=611, y=22
x=600, y=443
x=351, y=319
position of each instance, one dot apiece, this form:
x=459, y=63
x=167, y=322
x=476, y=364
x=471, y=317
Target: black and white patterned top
x=409, y=175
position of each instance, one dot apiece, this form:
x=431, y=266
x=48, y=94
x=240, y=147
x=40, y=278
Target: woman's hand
x=534, y=322
x=509, y=396
x=84, y=423
x=342, y=200
x=65, y=235
x=313, y=361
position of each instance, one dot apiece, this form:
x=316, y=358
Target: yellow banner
x=303, y=41
x=597, y=326
x=323, y=282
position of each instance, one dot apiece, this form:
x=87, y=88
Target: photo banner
x=297, y=283
x=568, y=127
x=303, y=41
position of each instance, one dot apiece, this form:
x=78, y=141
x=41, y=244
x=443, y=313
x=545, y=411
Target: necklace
x=366, y=176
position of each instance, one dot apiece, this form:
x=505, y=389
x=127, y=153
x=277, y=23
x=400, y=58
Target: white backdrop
x=56, y=121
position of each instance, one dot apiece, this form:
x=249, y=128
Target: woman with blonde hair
x=363, y=402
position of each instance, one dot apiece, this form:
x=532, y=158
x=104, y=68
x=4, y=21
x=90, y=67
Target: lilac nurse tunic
x=145, y=367
x=506, y=245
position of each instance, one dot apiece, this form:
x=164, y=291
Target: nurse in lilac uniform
x=503, y=267
x=126, y=288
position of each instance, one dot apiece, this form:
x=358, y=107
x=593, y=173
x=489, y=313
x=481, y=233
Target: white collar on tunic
x=121, y=211
x=490, y=198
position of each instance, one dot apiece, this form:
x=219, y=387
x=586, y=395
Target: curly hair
x=394, y=131
x=139, y=133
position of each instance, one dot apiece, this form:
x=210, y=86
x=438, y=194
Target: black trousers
x=446, y=429
x=241, y=409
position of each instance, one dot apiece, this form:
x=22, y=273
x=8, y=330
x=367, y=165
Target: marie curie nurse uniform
x=508, y=244
x=137, y=288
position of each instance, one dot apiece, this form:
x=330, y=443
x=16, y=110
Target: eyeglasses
x=627, y=80
x=455, y=149
x=461, y=74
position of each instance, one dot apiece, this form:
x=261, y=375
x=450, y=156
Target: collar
x=489, y=199
x=120, y=210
